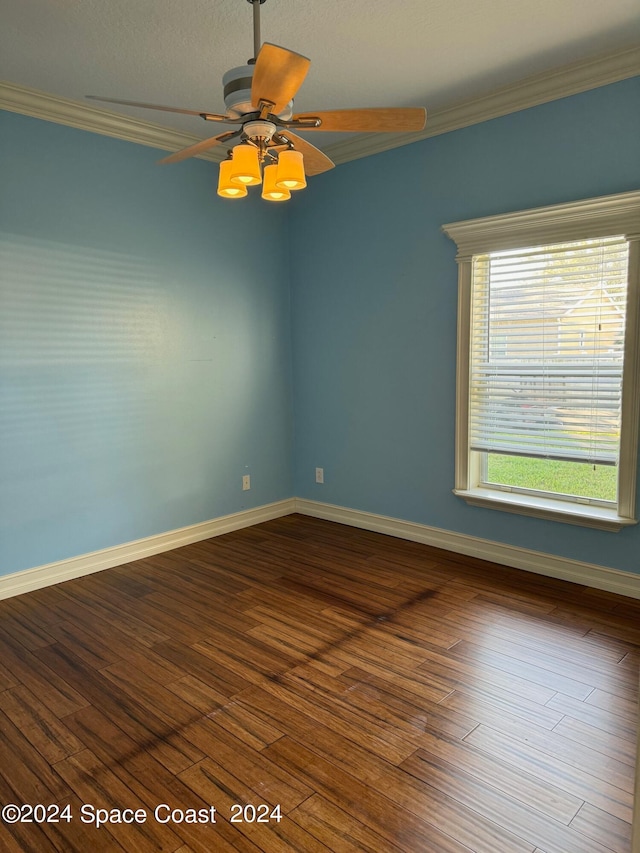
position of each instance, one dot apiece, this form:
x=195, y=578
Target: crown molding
x=31, y=102
x=594, y=217
x=528, y=92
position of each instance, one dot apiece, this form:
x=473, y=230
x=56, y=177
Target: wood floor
x=384, y=695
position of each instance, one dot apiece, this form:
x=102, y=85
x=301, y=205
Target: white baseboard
x=64, y=570
x=586, y=574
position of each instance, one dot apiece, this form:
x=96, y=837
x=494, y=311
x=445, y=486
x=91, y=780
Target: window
x=548, y=361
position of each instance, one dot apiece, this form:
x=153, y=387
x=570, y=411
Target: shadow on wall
x=77, y=328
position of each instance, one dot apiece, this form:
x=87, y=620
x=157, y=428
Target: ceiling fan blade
x=381, y=120
x=198, y=147
x=210, y=116
x=277, y=76
x=315, y=162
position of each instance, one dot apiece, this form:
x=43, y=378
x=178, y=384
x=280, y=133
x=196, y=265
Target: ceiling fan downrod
x=256, y=29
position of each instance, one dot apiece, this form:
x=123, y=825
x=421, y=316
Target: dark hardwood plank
x=149, y=781
x=330, y=742
x=101, y=643
x=28, y=776
x=203, y=666
x=284, y=836
x=85, y=644
x=417, y=711
x=195, y=608
x=7, y=680
x=394, y=823
x=253, y=769
x=377, y=739
x=378, y=704
x=85, y=591
x=482, y=818
x=46, y=732
x=277, y=597
x=95, y=784
x=199, y=695
x=150, y=731
x=21, y=837
x=177, y=625
x=39, y=606
x=387, y=695
x=74, y=836
x=249, y=658
x=337, y=830
x=29, y=670
x=238, y=720
x=23, y=629
x=284, y=642
x=182, y=570
x=215, y=784
x=316, y=631
x=133, y=682
x=601, y=624
x=468, y=761
x=122, y=581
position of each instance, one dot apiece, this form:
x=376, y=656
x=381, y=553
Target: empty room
x=319, y=426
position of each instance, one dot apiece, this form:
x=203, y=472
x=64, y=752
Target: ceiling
x=364, y=54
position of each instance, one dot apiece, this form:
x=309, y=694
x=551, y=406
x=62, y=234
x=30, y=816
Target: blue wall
x=374, y=308
x=147, y=345
x=145, y=360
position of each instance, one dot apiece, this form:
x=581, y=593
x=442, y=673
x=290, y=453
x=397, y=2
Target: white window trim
x=580, y=220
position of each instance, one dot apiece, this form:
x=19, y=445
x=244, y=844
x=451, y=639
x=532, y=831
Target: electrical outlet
x=246, y=482
x=319, y=475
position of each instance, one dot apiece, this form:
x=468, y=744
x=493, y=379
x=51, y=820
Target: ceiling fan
x=259, y=101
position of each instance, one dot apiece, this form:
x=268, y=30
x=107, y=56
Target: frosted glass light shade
x=226, y=188
x=270, y=192
x=290, y=174
x=245, y=166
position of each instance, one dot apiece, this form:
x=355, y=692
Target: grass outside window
x=580, y=479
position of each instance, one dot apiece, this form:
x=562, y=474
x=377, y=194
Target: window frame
x=580, y=220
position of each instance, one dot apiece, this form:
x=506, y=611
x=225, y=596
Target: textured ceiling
x=366, y=53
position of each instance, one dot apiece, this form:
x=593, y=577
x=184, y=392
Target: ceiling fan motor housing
x=237, y=93
x=259, y=131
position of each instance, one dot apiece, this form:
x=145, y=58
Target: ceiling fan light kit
x=226, y=187
x=259, y=97
x=270, y=190
x=290, y=174
x=245, y=165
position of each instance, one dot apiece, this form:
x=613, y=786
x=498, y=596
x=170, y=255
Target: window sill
x=547, y=508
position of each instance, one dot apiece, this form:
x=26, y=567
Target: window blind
x=547, y=348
